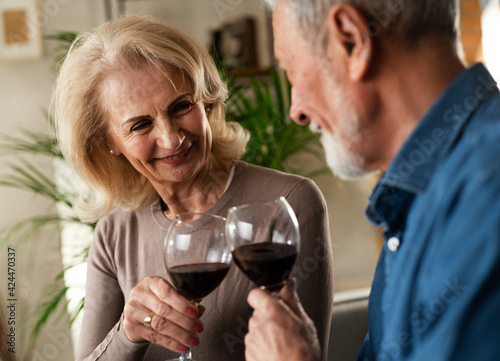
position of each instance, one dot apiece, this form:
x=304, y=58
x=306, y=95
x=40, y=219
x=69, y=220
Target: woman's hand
x=175, y=322
x=279, y=328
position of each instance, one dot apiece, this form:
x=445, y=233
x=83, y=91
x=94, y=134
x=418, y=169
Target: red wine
x=266, y=264
x=195, y=281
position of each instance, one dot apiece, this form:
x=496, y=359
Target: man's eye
x=182, y=108
x=142, y=125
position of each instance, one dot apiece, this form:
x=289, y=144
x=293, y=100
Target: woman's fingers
x=168, y=299
x=174, y=323
x=170, y=335
x=164, y=301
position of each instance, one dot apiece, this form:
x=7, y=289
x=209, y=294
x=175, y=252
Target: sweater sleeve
x=313, y=269
x=101, y=335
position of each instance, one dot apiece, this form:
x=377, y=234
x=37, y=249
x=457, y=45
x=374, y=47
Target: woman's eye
x=182, y=108
x=140, y=125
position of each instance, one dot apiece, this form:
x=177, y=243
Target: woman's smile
x=175, y=159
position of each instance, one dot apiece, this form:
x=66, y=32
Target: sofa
x=349, y=324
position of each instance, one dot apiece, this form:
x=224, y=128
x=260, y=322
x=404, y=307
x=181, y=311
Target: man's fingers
x=272, y=306
x=268, y=307
x=279, y=329
x=291, y=298
x=261, y=300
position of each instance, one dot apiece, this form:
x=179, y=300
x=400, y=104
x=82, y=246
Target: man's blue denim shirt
x=436, y=290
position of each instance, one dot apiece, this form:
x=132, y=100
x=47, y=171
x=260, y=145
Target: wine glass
x=265, y=241
x=197, y=256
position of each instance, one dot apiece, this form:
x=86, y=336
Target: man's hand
x=279, y=328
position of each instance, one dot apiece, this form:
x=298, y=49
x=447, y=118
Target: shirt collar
x=432, y=139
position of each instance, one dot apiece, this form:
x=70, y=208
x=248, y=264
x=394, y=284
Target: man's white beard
x=343, y=163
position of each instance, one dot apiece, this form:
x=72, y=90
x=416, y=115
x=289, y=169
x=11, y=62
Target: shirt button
x=393, y=244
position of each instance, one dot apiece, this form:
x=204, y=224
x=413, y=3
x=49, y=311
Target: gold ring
x=147, y=319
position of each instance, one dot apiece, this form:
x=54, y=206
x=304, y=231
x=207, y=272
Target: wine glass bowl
x=265, y=241
x=197, y=255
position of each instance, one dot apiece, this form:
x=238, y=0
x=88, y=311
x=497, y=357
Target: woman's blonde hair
x=129, y=43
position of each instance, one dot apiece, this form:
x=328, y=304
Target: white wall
x=26, y=89
x=491, y=29
x=198, y=17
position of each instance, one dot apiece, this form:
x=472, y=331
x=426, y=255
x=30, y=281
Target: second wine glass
x=265, y=240
x=197, y=256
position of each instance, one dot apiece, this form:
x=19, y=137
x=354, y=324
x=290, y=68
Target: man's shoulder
x=471, y=171
x=477, y=155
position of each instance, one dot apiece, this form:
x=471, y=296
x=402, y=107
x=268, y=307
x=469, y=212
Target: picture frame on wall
x=20, y=30
x=235, y=44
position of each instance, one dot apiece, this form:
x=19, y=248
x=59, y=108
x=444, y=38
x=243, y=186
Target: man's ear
x=349, y=39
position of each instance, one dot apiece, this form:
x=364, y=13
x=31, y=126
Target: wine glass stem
x=186, y=356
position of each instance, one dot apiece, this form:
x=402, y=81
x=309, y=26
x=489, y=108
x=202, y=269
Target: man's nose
x=297, y=112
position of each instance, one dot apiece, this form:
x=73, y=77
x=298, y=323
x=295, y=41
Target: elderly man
x=383, y=82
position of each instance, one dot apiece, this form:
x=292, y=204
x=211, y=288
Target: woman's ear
x=113, y=150
x=349, y=39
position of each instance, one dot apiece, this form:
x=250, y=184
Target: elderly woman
x=140, y=115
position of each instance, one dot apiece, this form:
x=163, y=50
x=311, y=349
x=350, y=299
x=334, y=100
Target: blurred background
x=241, y=34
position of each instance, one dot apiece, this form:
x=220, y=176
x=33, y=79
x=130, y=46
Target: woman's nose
x=170, y=137
x=297, y=112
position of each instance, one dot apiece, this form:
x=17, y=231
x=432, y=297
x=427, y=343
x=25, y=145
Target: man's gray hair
x=405, y=20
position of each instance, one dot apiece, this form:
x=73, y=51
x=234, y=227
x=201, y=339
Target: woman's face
x=156, y=123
